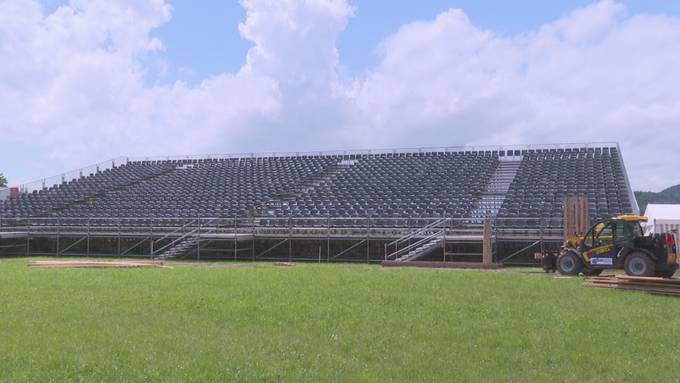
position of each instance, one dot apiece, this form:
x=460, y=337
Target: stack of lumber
x=662, y=286
x=94, y=264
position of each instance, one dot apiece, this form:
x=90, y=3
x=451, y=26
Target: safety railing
x=401, y=229
x=502, y=150
x=387, y=151
x=418, y=232
x=48, y=182
x=438, y=235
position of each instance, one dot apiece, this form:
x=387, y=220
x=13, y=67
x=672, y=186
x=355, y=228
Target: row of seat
x=388, y=185
x=543, y=180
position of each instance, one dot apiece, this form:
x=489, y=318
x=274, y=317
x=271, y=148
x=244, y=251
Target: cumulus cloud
x=294, y=43
x=597, y=74
x=73, y=82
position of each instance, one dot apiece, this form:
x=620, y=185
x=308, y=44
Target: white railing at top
x=45, y=183
x=48, y=182
x=437, y=149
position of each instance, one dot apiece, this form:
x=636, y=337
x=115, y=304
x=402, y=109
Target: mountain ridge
x=669, y=195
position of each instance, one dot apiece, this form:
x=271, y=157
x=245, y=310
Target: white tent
x=662, y=218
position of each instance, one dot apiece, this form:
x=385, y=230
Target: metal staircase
x=426, y=248
x=180, y=248
x=427, y=239
x=492, y=198
x=188, y=236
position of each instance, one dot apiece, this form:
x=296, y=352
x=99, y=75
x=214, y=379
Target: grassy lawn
x=321, y=323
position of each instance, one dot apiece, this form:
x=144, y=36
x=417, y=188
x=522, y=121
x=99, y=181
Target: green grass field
x=320, y=323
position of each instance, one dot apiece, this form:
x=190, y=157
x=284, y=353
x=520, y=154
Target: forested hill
x=670, y=195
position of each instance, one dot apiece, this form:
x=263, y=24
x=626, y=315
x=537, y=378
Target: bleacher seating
x=414, y=185
x=206, y=188
x=387, y=185
x=545, y=177
x=54, y=200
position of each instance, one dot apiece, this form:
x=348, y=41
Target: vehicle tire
x=569, y=264
x=591, y=272
x=549, y=263
x=665, y=273
x=639, y=265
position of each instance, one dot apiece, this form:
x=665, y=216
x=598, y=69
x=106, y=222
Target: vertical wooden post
x=151, y=240
x=368, y=241
x=235, y=239
x=28, y=241
x=58, y=236
x=584, y=222
x=576, y=220
x=88, y=238
x=118, y=236
x=487, y=256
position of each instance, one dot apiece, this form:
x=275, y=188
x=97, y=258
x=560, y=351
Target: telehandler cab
x=617, y=243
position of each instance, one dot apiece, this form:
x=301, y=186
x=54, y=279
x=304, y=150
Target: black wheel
x=639, y=265
x=665, y=273
x=569, y=264
x=548, y=263
x=591, y=272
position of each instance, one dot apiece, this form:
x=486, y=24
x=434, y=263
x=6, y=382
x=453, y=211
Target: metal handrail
x=404, y=150
x=156, y=251
x=394, y=227
x=181, y=238
x=55, y=179
x=416, y=232
x=445, y=149
x=176, y=231
x=415, y=244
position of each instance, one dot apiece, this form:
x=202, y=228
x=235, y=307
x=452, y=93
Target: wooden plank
x=670, y=292
x=93, y=264
x=653, y=285
x=640, y=285
x=487, y=255
x=675, y=281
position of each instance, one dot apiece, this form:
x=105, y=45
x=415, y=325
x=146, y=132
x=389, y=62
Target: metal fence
x=503, y=150
x=311, y=226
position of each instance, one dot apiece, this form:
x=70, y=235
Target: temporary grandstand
x=362, y=205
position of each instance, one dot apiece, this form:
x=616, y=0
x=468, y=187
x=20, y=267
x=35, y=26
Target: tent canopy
x=663, y=212
x=662, y=217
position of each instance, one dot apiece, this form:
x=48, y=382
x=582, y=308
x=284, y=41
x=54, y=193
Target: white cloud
x=294, y=43
x=73, y=82
x=597, y=74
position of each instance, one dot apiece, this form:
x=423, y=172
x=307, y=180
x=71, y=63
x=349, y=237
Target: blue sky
x=87, y=80
x=205, y=38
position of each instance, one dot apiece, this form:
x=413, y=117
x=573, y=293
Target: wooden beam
x=487, y=252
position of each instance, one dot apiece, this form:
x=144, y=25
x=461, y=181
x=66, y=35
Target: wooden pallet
x=661, y=286
x=94, y=264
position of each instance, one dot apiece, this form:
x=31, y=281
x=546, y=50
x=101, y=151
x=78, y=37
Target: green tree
x=666, y=196
x=3, y=181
